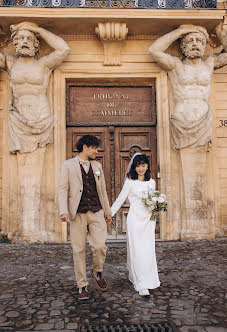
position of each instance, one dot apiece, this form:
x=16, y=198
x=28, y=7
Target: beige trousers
x=91, y=226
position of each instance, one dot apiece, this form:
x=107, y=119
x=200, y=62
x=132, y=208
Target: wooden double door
x=119, y=141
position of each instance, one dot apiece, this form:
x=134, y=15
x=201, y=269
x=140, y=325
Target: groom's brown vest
x=89, y=199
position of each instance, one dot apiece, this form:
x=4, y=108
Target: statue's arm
x=221, y=59
x=60, y=47
x=158, y=48
x=2, y=62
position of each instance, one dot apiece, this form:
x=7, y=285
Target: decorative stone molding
x=142, y=37
x=112, y=34
x=94, y=37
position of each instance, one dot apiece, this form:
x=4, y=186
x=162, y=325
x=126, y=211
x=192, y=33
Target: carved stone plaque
x=110, y=104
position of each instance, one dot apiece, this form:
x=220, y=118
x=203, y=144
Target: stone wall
x=4, y=95
x=2, y=99
x=220, y=146
x=85, y=63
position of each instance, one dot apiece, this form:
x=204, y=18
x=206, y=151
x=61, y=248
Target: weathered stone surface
x=184, y=275
x=59, y=325
x=215, y=329
x=45, y=326
x=12, y=314
x=72, y=326
x=2, y=319
x=31, y=116
x=55, y=312
x=57, y=304
x=191, y=121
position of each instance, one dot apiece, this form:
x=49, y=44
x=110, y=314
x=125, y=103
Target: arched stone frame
x=163, y=132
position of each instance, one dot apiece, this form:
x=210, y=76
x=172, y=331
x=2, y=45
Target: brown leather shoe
x=101, y=282
x=83, y=293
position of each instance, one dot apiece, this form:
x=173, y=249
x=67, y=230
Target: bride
x=141, y=259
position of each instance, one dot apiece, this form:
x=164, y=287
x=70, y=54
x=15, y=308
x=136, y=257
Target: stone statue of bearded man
x=191, y=121
x=31, y=119
x=190, y=79
x=32, y=49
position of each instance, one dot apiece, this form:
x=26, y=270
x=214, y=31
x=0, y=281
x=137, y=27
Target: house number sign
x=222, y=123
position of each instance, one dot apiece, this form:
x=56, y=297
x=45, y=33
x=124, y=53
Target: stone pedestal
x=30, y=166
x=197, y=212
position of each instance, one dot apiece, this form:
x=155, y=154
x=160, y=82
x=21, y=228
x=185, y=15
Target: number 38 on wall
x=222, y=123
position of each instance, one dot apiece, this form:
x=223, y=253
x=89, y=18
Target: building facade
x=110, y=86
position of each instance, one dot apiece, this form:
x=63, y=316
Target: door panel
x=75, y=133
x=127, y=142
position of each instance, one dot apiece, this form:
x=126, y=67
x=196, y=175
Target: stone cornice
x=107, y=13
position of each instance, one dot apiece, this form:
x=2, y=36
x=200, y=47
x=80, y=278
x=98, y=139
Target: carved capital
x=112, y=34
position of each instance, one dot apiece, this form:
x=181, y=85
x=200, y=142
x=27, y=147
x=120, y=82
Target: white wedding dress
x=141, y=259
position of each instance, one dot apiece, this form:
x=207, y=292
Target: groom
x=84, y=203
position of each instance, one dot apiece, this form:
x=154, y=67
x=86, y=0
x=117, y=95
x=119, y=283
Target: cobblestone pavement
x=38, y=291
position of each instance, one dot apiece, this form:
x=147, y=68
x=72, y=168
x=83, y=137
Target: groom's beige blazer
x=71, y=187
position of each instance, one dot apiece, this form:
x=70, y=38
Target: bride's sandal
x=144, y=292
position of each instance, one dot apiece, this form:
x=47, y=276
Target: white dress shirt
x=85, y=164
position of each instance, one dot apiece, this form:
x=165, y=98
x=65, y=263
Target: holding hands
x=64, y=217
x=108, y=219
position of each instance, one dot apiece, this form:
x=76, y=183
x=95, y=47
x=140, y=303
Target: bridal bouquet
x=155, y=201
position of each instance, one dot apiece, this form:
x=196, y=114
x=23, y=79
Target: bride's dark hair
x=138, y=160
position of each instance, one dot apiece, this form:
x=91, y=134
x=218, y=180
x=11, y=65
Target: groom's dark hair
x=138, y=160
x=89, y=140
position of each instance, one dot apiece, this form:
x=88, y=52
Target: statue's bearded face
x=193, y=45
x=26, y=44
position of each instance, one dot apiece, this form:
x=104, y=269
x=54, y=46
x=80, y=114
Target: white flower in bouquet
x=155, y=202
x=161, y=200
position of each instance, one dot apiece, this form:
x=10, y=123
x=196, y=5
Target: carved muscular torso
x=29, y=85
x=191, y=88
x=31, y=119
